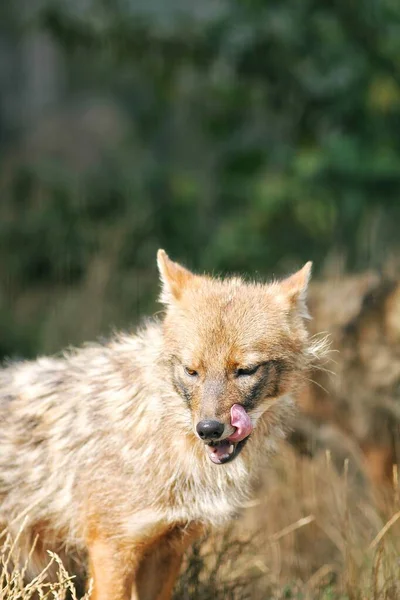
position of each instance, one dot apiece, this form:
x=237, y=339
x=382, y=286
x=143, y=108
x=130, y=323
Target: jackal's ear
x=174, y=278
x=295, y=288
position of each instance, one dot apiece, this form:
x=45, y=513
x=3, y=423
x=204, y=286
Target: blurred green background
x=245, y=136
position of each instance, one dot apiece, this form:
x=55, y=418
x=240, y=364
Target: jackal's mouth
x=225, y=451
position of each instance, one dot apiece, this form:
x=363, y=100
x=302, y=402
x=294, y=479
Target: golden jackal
x=121, y=453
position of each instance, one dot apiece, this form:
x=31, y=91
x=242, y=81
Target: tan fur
x=98, y=450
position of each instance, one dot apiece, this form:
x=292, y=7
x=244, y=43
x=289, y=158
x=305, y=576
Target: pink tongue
x=241, y=420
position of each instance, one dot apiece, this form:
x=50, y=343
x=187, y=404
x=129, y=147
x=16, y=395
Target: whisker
x=318, y=384
x=324, y=370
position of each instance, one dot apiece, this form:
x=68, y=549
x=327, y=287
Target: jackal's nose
x=210, y=430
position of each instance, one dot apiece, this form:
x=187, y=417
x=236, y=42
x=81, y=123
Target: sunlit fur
x=98, y=452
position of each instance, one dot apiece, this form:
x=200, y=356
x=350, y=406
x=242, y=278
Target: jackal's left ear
x=174, y=278
x=295, y=288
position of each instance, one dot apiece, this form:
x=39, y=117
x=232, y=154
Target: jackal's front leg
x=160, y=567
x=112, y=567
x=138, y=569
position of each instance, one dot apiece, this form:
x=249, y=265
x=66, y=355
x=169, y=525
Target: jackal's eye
x=247, y=371
x=190, y=372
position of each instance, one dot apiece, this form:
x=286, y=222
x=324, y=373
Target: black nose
x=210, y=430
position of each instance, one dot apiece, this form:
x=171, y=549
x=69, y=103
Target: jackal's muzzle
x=225, y=450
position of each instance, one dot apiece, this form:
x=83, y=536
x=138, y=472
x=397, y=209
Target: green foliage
x=253, y=137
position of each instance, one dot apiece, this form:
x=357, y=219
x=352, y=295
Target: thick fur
x=98, y=452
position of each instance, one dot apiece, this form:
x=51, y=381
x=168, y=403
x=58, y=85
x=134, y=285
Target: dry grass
x=310, y=534
x=14, y=584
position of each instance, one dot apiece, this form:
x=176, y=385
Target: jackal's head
x=233, y=349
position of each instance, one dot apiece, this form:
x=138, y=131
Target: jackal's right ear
x=295, y=288
x=174, y=278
